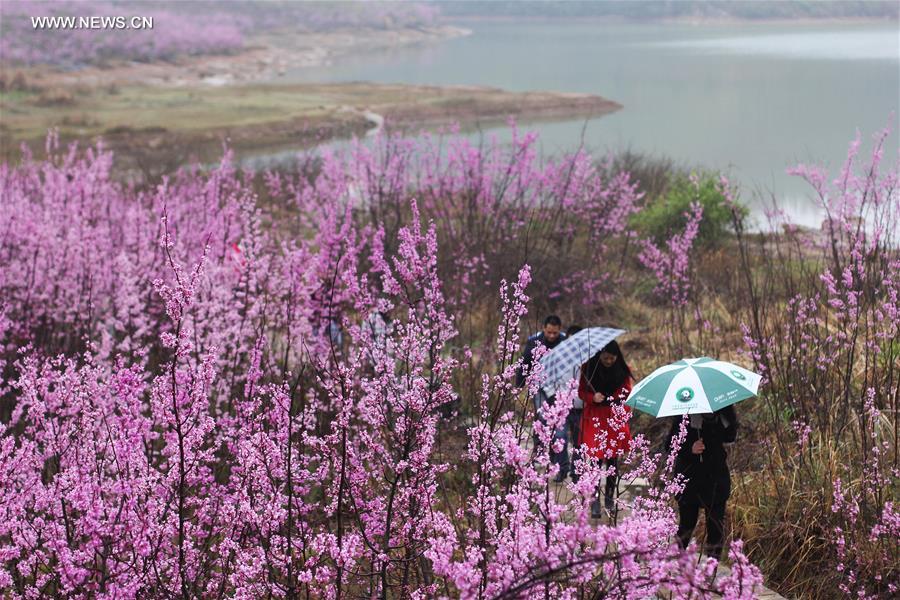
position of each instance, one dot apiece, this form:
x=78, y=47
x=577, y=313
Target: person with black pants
x=549, y=337
x=572, y=426
x=606, y=380
x=702, y=459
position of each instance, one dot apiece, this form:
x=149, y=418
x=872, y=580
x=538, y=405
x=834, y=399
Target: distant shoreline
x=158, y=127
x=266, y=58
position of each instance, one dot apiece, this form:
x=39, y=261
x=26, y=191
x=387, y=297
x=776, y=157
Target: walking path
x=636, y=487
x=628, y=490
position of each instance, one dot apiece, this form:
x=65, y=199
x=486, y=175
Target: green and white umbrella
x=692, y=386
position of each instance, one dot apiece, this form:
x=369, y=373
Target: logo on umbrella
x=738, y=375
x=685, y=394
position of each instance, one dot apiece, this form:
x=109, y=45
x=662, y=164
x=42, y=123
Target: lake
x=751, y=99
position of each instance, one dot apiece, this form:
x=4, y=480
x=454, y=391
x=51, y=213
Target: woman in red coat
x=605, y=379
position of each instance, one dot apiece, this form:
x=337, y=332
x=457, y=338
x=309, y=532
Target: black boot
x=609, y=493
x=596, y=509
x=560, y=476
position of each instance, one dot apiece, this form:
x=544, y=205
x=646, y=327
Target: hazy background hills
x=670, y=9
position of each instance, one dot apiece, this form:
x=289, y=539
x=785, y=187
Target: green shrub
x=665, y=214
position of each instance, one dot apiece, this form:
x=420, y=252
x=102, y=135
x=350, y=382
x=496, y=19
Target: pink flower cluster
x=174, y=33
x=496, y=205
x=830, y=355
x=180, y=28
x=672, y=266
x=197, y=401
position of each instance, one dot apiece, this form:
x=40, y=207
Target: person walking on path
x=549, y=337
x=606, y=380
x=702, y=459
x=572, y=426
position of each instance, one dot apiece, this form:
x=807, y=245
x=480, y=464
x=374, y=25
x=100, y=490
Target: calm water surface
x=749, y=99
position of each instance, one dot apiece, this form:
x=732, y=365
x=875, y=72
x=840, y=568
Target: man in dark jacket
x=549, y=337
x=702, y=459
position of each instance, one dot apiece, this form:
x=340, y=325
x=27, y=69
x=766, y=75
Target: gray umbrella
x=563, y=363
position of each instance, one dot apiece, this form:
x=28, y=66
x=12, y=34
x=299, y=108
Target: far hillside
x=690, y=9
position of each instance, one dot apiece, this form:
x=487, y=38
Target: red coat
x=595, y=420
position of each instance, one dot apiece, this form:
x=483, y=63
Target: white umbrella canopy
x=693, y=386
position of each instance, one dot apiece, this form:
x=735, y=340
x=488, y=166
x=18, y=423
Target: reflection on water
x=827, y=45
x=751, y=100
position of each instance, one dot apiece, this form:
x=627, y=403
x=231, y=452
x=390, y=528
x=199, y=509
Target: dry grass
x=259, y=115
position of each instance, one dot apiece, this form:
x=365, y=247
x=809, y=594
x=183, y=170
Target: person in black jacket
x=550, y=337
x=702, y=459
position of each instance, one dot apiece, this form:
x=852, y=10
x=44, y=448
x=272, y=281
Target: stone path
x=632, y=488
